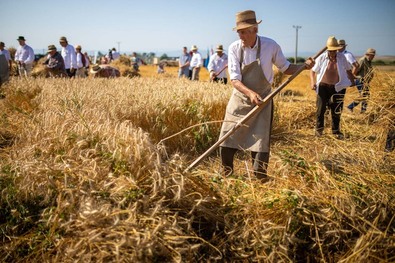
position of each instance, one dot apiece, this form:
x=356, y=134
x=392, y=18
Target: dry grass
x=84, y=178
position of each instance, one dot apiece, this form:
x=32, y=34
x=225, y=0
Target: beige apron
x=255, y=136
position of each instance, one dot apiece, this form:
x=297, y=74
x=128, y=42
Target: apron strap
x=258, y=53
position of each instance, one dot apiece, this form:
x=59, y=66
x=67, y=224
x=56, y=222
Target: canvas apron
x=255, y=136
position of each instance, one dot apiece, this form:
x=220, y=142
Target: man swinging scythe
x=250, y=61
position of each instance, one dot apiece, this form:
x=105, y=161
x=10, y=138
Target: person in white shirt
x=7, y=55
x=24, y=57
x=250, y=66
x=330, y=77
x=349, y=56
x=196, y=63
x=69, y=56
x=217, y=66
x=81, y=63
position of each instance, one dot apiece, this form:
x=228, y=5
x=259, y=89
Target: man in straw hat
x=55, y=63
x=196, y=63
x=217, y=65
x=24, y=57
x=81, y=63
x=349, y=56
x=250, y=69
x=104, y=71
x=330, y=77
x=364, y=76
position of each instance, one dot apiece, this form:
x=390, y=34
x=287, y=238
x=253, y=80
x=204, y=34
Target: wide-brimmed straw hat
x=78, y=47
x=219, y=48
x=246, y=19
x=50, y=48
x=21, y=38
x=194, y=47
x=370, y=51
x=95, y=68
x=332, y=44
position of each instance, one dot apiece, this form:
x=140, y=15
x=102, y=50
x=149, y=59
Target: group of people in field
x=68, y=62
x=249, y=64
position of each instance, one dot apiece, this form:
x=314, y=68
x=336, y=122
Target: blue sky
x=167, y=26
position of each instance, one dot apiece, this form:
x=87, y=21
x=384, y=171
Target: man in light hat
x=250, y=66
x=104, y=71
x=54, y=63
x=217, y=66
x=330, y=77
x=349, y=56
x=69, y=56
x=24, y=57
x=196, y=63
x=364, y=76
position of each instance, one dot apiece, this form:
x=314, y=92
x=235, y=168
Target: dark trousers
x=390, y=141
x=221, y=80
x=260, y=161
x=364, y=94
x=328, y=97
x=69, y=73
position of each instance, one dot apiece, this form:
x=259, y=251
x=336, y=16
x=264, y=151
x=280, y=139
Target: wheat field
x=93, y=170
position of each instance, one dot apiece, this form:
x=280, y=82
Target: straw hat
x=63, y=39
x=95, y=68
x=219, y=48
x=246, y=19
x=78, y=47
x=370, y=51
x=21, y=38
x=332, y=44
x=194, y=47
x=50, y=48
x=342, y=42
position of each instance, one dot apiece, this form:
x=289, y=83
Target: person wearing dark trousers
x=329, y=77
x=364, y=75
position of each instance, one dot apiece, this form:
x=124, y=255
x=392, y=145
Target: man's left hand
x=309, y=63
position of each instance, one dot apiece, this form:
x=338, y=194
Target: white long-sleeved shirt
x=217, y=64
x=24, y=54
x=69, y=56
x=270, y=54
x=79, y=60
x=349, y=56
x=321, y=64
x=196, y=60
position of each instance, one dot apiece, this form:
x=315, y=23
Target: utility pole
x=119, y=46
x=296, y=46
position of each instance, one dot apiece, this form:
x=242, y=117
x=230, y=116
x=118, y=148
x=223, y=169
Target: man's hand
x=309, y=63
x=255, y=98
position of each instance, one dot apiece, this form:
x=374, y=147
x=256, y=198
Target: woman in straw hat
x=330, y=77
x=250, y=61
